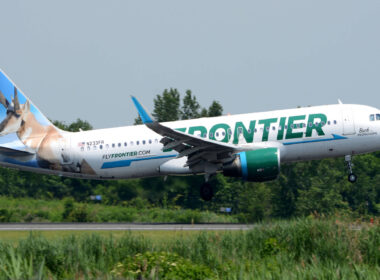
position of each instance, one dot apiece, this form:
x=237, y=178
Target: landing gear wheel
x=206, y=191
x=352, y=178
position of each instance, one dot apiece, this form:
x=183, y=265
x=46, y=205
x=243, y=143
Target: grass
x=54, y=235
x=35, y=210
x=298, y=249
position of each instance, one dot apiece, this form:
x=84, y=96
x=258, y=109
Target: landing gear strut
x=351, y=176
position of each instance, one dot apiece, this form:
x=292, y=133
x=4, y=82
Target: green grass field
x=299, y=249
x=36, y=210
x=54, y=235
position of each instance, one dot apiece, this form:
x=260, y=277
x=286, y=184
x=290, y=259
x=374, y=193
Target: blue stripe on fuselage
x=335, y=137
x=128, y=162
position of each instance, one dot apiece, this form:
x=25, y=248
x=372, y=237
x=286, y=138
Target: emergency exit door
x=348, y=120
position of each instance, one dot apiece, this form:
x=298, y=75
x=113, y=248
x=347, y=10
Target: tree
x=166, y=106
x=190, y=107
x=75, y=126
x=138, y=120
x=215, y=109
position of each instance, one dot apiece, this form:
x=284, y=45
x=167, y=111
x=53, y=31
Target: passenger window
x=310, y=124
x=322, y=123
x=113, y=145
x=328, y=122
x=143, y=142
x=223, y=133
x=150, y=141
x=131, y=143
x=137, y=142
x=101, y=147
x=335, y=122
x=372, y=117
x=125, y=144
x=119, y=145
x=273, y=128
x=82, y=149
x=216, y=134
x=377, y=117
x=268, y=128
x=240, y=130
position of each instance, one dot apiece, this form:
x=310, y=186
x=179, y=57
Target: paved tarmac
x=119, y=226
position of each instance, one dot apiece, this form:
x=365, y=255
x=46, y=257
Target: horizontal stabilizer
x=9, y=152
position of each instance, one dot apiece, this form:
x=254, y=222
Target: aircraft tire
x=207, y=192
x=352, y=178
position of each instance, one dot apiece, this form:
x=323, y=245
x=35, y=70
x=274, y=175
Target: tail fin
x=13, y=100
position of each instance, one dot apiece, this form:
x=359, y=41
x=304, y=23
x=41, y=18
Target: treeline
x=318, y=187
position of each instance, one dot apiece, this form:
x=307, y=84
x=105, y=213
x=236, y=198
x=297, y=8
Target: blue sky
x=85, y=58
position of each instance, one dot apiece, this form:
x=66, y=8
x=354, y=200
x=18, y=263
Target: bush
x=68, y=205
x=5, y=216
x=79, y=214
x=161, y=265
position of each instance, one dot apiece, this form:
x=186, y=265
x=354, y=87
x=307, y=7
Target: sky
x=83, y=59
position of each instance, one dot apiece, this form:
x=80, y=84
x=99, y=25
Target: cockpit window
x=378, y=117
x=372, y=117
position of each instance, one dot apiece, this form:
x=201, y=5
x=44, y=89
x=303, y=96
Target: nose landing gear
x=351, y=176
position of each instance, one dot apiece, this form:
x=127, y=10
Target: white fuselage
x=300, y=134
x=136, y=151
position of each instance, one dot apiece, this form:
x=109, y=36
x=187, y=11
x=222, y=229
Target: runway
x=119, y=226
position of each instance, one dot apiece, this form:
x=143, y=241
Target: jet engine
x=255, y=166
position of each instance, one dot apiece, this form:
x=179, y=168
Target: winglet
x=144, y=115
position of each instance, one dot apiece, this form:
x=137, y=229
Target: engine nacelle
x=256, y=166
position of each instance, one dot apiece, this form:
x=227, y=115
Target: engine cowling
x=255, y=166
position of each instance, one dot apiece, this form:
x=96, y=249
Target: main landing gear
x=207, y=191
x=351, y=176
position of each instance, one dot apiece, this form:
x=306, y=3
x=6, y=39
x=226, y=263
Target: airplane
x=248, y=146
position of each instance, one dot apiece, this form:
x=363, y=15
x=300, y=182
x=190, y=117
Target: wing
x=203, y=155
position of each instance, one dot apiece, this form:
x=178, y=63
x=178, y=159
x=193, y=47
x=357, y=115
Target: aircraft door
x=348, y=120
